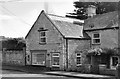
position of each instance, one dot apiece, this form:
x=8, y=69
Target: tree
x=14, y=44
x=101, y=7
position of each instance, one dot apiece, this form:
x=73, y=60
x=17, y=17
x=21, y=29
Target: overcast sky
x=18, y=16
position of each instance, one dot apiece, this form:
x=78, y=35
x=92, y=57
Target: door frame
x=113, y=67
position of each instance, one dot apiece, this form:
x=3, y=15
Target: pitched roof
x=106, y=20
x=66, y=26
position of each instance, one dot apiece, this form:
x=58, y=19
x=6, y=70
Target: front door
x=39, y=57
x=95, y=64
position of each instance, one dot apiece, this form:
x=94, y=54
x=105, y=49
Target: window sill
x=79, y=65
x=96, y=43
x=112, y=69
x=38, y=64
x=42, y=43
x=55, y=65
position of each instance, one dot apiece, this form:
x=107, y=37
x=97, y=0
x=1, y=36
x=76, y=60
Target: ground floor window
x=55, y=59
x=78, y=59
x=114, y=61
x=38, y=59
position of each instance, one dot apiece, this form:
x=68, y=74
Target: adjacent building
x=103, y=30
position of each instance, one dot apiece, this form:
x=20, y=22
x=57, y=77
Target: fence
x=14, y=57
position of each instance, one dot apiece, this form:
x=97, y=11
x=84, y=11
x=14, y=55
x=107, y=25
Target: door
x=95, y=64
x=39, y=57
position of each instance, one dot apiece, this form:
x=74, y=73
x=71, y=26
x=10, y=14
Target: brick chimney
x=91, y=10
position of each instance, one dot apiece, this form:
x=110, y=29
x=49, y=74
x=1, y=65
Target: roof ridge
x=56, y=15
x=108, y=13
x=99, y=15
x=63, y=17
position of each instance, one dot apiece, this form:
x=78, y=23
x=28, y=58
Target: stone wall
x=109, y=38
x=13, y=57
x=74, y=46
x=107, y=72
x=54, y=42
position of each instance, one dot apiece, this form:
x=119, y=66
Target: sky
x=18, y=16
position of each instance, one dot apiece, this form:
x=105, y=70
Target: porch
x=104, y=60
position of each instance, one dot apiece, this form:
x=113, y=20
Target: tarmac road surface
x=9, y=74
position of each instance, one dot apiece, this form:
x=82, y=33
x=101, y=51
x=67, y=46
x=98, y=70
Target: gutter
x=88, y=30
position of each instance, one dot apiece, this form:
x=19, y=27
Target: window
x=42, y=35
x=55, y=59
x=38, y=59
x=43, y=40
x=96, y=38
x=28, y=57
x=114, y=61
x=78, y=59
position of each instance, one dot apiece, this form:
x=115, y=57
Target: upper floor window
x=42, y=35
x=96, y=38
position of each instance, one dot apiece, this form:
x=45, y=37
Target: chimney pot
x=91, y=10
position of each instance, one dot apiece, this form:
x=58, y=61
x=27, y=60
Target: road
x=12, y=72
x=8, y=74
x=39, y=78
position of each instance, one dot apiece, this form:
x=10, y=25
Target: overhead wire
x=14, y=15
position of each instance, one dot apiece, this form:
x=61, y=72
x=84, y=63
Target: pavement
x=80, y=75
x=42, y=70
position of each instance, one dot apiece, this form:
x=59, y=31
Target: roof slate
x=106, y=20
x=67, y=27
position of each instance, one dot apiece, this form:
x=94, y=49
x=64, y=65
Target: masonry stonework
x=13, y=57
x=55, y=41
x=109, y=38
x=75, y=46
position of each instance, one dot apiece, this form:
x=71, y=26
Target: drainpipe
x=24, y=51
x=66, y=53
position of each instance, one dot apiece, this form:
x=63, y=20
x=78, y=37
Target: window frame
x=80, y=59
x=53, y=59
x=41, y=36
x=93, y=38
x=111, y=62
x=34, y=59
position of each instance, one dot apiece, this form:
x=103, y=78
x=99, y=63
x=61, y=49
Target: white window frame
x=41, y=37
x=79, y=57
x=56, y=57
x=111, y=62
x=96, y=38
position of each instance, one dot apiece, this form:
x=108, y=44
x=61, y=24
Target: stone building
x=104, y=52
x=69, y=44
x=57, y=42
